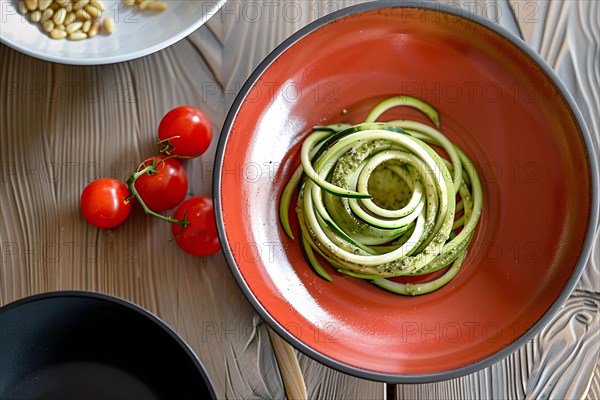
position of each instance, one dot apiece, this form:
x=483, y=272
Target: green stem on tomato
x=165, y=145
x=134, y=193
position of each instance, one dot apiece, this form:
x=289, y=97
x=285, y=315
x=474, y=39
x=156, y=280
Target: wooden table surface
x=62, y=126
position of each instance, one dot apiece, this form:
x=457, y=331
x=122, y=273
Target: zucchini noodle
x=377, y=201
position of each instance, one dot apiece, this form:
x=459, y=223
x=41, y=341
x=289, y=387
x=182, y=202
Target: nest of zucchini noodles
x=377, y=201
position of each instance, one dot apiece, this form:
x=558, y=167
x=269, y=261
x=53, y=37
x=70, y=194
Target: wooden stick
x=291, y=374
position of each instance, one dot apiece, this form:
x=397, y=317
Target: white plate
x=137, y=33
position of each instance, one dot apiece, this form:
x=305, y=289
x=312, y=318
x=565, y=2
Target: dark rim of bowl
x=553, y=77
x=124, y=303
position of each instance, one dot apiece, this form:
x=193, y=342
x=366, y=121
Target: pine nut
x=83, y=15
x=70, y=18
x=99, y=5
x=144, y=4
x=109, y=25
x=94, y=29
x=35, y=16
x=157, y=6
x=48, y=25
x=80, y=4
x=47, y=14
x=44, y=4
x=61, y=4
x=93, y=11
x=77, y=35
x=58, y=34
x=31, y=4
x=73, y=26
x=23, y=8
x=77, y=19
x=59, y=16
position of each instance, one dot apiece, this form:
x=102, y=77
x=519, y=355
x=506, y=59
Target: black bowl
x=83, y=345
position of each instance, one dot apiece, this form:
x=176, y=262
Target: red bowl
x=500, y=102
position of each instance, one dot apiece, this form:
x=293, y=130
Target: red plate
x=499, y=102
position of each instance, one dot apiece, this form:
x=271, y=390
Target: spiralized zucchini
x=376, y=200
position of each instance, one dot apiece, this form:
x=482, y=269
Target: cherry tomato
x=164, y=189
x=103, y=203
x=199, y=237
x=184, y=131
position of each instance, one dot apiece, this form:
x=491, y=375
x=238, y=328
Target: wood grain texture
x=287, y=360
x=62, y=126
